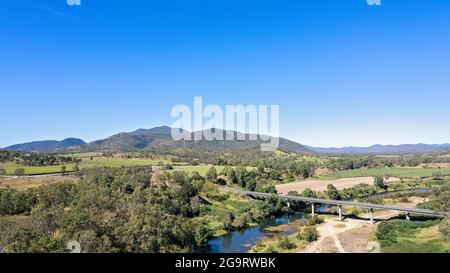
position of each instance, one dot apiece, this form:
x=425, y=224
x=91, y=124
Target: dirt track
x=321, y=185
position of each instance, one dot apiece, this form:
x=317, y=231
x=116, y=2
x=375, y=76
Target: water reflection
x=242, y=241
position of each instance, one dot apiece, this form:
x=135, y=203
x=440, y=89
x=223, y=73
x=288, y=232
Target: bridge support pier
x=408, y=218
x=288, y=204
x=340, y=212
x=313, y=210
x=371, y=216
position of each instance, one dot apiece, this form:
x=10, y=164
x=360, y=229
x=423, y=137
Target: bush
x=240, y=222
x=404, y=199
x=313, y=221
x=20, y=172
x=380, y=183
x=13, y=202
x=269, y=249
x=333, y=193
x=284, y=243
x=308, y=234
x=444, y=229
x=259, y=246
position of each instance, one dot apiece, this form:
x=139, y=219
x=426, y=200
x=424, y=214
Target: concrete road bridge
x=340, y=203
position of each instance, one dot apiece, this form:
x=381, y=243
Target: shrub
x=239, y=222
x=20, y=172
x=380, y=183
x=404, y=199
x=284, y=243
x=314, y=221
x=444, y=229
x=308, y=234
x=355, y=211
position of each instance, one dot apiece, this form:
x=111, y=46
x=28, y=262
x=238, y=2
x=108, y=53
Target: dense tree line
x=14, y=202
x=440, y=202
x=389, y=231
x=358, y=162
x=109, y=210
x=35, y=159
x=120, y=210
x=261, y=177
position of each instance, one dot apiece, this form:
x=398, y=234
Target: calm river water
x=242, y=241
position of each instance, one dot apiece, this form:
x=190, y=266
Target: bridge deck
x=344, y=203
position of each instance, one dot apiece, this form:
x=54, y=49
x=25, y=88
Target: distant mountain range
x=386, y=149
x=159, y=139
x=156, y=139
x=46, y=145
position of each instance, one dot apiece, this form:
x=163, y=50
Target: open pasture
x=396, y=172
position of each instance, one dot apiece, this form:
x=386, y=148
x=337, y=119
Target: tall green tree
x=380, y=183
x=241, y=175
x=20, y=172
x=211, y=175
x=333, y=193
x=63, y=170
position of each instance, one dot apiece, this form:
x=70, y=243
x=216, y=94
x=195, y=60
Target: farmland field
x=117, y=162
x=321, y=185
x=10, y=168
x=30, y=182
x=397, y=172
x=85, y=163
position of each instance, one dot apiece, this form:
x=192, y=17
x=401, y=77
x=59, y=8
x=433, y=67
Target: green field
x=397, y=172
x=86, y=163
x=34, y=170
x=99, y=161
x=117, y=162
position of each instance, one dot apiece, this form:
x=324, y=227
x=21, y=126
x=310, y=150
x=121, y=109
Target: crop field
x=397, y=172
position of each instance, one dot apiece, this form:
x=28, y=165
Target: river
x=242, y=241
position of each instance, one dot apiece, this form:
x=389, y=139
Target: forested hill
x=46, y=145
x=160, y=139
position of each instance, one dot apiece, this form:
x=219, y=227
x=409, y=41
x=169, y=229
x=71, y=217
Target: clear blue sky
x=344, y=73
